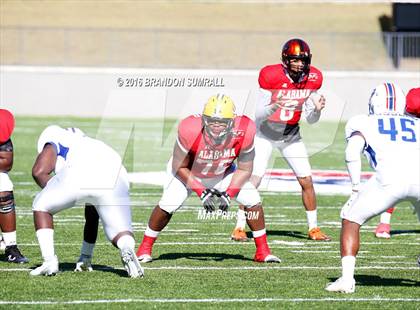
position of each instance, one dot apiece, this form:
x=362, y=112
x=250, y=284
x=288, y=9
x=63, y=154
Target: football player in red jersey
x=7, y=201
x=203, y=161
x=287, y=90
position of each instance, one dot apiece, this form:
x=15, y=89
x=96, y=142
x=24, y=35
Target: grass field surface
x=196, y=264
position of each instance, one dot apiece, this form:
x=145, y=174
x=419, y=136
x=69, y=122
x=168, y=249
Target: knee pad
x=7, y=203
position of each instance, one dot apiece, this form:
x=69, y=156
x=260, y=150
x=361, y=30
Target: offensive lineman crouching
x=85, y=169
x=203, y=162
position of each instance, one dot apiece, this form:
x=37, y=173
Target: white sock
x=258, y=233
x=46, y=243
x=386, y=218
x=241, y=222
x=347, y=265
x=126, y=242
x=87, y=248
x=311, y=217
x=151, y=233
x=9, y=238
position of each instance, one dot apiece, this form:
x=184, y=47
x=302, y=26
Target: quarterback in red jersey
x=203, y=161
x=287, y=90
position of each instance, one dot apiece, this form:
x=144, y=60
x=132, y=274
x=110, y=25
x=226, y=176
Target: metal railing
x=400, y=45
x=159, y=48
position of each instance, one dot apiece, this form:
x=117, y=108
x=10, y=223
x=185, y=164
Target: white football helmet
x=387, y=98
x=76, y=131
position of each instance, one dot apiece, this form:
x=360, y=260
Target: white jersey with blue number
x=392, y=144
x=91, y=160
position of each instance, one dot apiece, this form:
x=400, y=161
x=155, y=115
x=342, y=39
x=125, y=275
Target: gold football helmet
x=218, y=109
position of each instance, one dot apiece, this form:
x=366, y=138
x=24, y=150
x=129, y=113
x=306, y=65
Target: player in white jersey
x=383, y=230
x=390, y=140
x=86, y=170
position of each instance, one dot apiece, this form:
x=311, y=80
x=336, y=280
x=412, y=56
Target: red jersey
x=209, y=160
x=276, y=79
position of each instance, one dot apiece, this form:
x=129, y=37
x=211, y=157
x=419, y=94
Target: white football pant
x=175, y=192
x=6, y=184
x=375, y=198
x=294, y=153
x=113, y=204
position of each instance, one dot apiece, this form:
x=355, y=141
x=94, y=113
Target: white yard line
x=312, y=244
x=208, y=300
x=242, y=268
x=396, y=263
x=322, y=251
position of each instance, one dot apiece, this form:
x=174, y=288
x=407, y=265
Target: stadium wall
x=158, y=93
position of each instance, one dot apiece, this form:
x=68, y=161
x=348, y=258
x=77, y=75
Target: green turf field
x=196, y=265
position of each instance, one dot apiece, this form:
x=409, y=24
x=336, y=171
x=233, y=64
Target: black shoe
x=13, y=255
x=418, y=260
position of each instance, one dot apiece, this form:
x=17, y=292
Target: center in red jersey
x=292, y=95
x=207, y=159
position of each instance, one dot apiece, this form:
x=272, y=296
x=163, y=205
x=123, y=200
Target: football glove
x=209, y=199
x=84, y=264
x=224, y=202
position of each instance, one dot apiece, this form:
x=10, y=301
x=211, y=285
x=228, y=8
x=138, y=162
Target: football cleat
x=131, y=263
x=316, y=234
x=84, y=264
x=48, y=268
x=13, y=255
x=144, y=252
x=342, y=286
x=239, y=234
x=145, y=258
x=266, y=258
x=383, y=231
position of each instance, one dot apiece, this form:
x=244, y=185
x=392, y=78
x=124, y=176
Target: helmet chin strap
x=295, y=76
x=222, y=136
x=216, y=140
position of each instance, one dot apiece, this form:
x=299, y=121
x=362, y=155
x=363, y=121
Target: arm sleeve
x=263, y=107
x=6, y=146
x=355, y=146
x=311, y=115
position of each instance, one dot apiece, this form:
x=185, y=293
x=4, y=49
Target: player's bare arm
x=180, y=167
x=44, y=165
x=242, y=174
x=6, y=161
